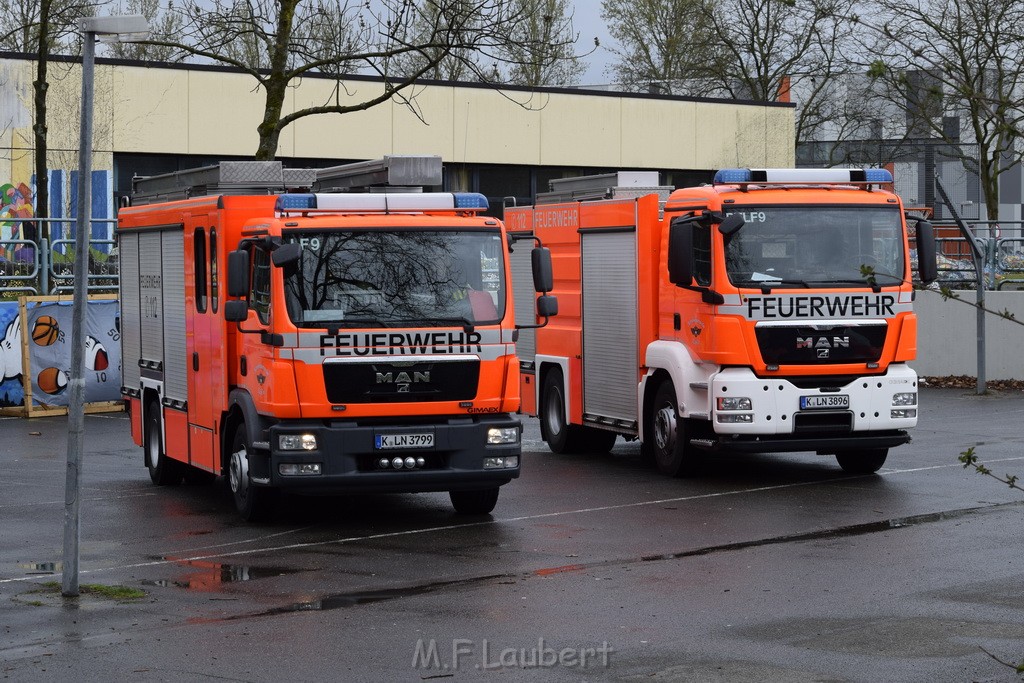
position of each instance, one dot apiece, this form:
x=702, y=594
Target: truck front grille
x=814, y=345
x=401, y=381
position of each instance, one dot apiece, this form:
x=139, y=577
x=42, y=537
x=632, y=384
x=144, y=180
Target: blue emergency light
x=801, y=176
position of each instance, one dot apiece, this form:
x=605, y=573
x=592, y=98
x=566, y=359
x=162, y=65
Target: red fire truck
x=769, y=311
x=320, y=342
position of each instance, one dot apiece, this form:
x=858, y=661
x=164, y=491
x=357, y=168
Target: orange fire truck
x=320, y=342
x=769, y=311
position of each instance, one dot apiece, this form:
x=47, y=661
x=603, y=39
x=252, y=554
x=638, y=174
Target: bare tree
x=660, y=45
x=541, y=51
x=785, y=50
x=278, y=42
x=164, y=24
x=962, y=59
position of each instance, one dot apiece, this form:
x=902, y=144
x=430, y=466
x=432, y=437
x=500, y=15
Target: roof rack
x=391, y=173
x=227, y=177
x=619, y=185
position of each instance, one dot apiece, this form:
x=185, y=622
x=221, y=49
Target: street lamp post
x=107, y=29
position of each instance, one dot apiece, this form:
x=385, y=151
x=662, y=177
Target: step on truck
x=321, y=342
x=769, y=311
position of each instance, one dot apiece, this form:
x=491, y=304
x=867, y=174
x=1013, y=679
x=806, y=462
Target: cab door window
x=259, y=294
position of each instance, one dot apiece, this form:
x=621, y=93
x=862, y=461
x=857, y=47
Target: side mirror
x=236, y=311
x=543, y=280
x=238, y=273
x=680, y=252
x=286, y=254
x=731, y=224
x=547, y=306
x=927, y=267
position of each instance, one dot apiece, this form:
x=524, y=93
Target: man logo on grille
x=403, y=380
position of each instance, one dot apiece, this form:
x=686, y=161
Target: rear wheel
x=254, y=503
x=672, y=454
x=560, y=436
x=865, y=461
x=480, y=502
x=163, y=471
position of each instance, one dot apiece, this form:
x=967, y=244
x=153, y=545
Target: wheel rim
x=238, y=472
x=665, y=428
x=553, y=412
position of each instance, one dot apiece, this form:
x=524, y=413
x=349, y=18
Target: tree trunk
x=39, y=129
x=276, y=83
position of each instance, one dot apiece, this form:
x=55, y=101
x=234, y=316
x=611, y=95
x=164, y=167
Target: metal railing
x=47, y=267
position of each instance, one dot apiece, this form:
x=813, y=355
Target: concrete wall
x=948, y=341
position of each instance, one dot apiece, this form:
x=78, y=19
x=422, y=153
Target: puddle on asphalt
x=211, y=576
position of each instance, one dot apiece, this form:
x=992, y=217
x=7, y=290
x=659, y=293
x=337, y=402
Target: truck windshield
x=816, y=245
x=388, y=278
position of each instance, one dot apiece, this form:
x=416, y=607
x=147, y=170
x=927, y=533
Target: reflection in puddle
x=205, y=576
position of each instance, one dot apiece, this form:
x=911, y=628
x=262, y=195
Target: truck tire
x=865, y=461
x=480, y=502
x=565, y=438
x=163, y=471
x=666, y=432
x=254, y=503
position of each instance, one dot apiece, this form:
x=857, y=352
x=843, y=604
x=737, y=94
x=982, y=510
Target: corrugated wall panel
x=609, y=324
x=524, y=296
x=175, y=362
x=151, y=297
x=131, y=339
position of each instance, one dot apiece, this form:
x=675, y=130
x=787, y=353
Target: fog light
x=299, y=469
x=297, y=442
x=383, y=463
x=734, y=403
x=903, y=413
x=497, y=435
x=905, y=399
x=499, y=463
x=735, y=419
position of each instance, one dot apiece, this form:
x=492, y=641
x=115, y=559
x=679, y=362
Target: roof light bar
x=801, y=176
x=382, y=202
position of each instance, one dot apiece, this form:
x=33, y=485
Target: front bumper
x=349, y=459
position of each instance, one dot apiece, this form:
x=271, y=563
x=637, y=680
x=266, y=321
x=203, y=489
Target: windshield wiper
x=870, y=282
x=766, y=285
x=467, y=325
x=348, y=322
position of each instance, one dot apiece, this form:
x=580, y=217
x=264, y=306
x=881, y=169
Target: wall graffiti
x=16, y=202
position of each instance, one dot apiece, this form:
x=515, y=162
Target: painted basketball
x=52, y=380
x=45, y=331
x=95, y=355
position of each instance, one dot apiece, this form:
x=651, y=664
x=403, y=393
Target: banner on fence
x=49, y=351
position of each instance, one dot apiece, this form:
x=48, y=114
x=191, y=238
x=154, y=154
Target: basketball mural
x=49, y=350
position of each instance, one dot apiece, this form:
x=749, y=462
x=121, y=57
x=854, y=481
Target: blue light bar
x=470, y=200
x=295, y=202
x=732, y=175
x=802, y=176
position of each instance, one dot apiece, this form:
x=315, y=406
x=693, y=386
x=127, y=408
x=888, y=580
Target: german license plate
x=824, y=401
x=421, y=440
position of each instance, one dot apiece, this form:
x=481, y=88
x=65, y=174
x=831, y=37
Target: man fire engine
x=366, y=342
x=769, y=311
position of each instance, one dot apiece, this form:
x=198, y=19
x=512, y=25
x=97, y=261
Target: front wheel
x=254, y=503
x=670, y=448
x=865, y=461
x=480, y=502
x=163, y=471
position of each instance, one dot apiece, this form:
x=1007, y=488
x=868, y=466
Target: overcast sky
x=588, y=23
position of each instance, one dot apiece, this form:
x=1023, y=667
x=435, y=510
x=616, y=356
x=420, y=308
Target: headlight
x=301, y=469
x=734, y=403
x=733, y=419
x=905, y=399
x=297, y=442
x=496, y=435
x=506, y=462
x=900, y=413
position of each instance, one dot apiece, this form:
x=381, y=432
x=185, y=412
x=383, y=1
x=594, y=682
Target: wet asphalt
x=764, y=568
